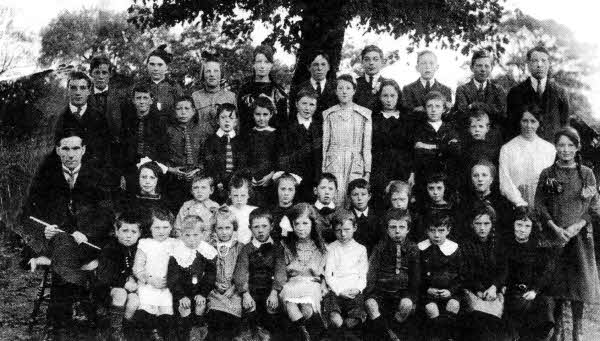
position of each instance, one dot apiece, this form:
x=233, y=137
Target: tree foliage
x=15, y=45
x=77, y=36
x=307, y=25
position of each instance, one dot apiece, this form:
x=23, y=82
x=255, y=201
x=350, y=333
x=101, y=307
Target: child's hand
x=530, y=295
x=248, y=302
x=490, y=294
x=185, y=303
x=265, y=180
x=421, y=145
x=273, y=301
x=350, y=293
x=221, y=288
x=444, y=293
x=421, y=108
x=130, y=285
x=79, y=237
x=200, y=304
x=433, y=292
x=51, y=231
x=157, y=282
x=230, y=292
x=142, y=277
x=190, y=175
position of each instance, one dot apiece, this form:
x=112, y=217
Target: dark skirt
x=534, y=316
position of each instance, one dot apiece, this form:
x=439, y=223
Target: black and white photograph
x=270, y=170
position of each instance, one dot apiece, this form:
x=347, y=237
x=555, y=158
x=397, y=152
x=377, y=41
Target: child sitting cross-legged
x=393, y=278
x=115, y=274
x=440, y=277
x=345, y=274
x=260, y=274
x=190, y=276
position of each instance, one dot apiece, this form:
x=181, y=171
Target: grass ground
x=18, y=289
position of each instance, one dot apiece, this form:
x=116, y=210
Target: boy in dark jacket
x=393, y=277
x=260, y=273
x=114, y=273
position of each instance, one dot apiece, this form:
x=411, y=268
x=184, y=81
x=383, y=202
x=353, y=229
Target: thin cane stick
x=59, y=230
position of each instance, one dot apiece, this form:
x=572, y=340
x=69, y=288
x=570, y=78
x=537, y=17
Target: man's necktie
x=228, y=156
x=189, y=156
x=481, y=92
x=427, y=86
x=319, y=89
x=540, y=90
x=71, y=178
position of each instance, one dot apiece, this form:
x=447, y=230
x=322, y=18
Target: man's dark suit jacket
x=554, y=104
x=493, y=95
x=414, y=95
x=364, y=95
x=326, y=99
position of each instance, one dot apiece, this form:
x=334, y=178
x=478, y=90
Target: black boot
x=300, y=326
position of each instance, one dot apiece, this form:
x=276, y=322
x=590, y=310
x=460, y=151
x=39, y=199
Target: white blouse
x=521, y=162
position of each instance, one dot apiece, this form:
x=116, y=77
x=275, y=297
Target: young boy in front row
x=368, y=230
x=115, y=270
x=441, y=264
x=326, y=191
x=190, y=277
x=201, y=206
x=346, y=274
x=436, y=147
x=393, y=278
x=259, y=274
x=225, y=153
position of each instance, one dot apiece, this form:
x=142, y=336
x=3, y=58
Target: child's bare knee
x=119, y=296
x=453, y=306
x=405, y=308
x=431, y=310
x=372, y=307
x=306, y=310
x=336, y=319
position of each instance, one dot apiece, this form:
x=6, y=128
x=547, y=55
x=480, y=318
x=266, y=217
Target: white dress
x=243, y=234
x=157, y=261
x=521, y=163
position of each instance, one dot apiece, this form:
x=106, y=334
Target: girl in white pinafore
x=346, y=138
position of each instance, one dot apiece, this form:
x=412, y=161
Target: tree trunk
x=322, y=29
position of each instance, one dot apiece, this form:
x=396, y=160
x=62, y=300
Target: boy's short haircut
x=397, y=214
x=538, y=48
x=224, y=213
x=260, y=212
x=203, y=177
x=318, y=53
x=100, y=60
x=141, y=87
x=185, y=98
x=397, y=186
x=478, y=111
x=371, y=48
x=307, y=91
x=435, y=95
x=483, y=53
x=437, y=219
x=78, y=75
x=69, y=132
x=481, y=210
x=436, y=177
x=264, y=101
x=486, y=163
x=226, y=107
x=329, y=177
x=340, y=216
x=238, y=181
x=424, y=52
x=191, y=222
x=359, y=183
x=132, y=216
x=162, y=213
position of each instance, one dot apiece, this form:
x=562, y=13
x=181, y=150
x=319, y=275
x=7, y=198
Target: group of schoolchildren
x=366, y=229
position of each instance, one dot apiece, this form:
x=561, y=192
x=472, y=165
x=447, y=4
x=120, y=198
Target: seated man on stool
x=72, y=197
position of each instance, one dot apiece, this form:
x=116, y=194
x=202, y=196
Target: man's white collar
x=359, y=213
x=74, y=108
x=395, y=114
x=257, y=244
x=98, y=91
x=314, y=83
x=319, y=205
x=447, y=248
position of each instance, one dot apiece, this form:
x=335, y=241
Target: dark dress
x=577, y=258
x=115, y=264
x=263, y=150
x=249, y=92
x=391, y=153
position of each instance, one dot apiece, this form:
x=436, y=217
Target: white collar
x=267, y=128
x=74, y=109
x=534, y=83
x=369, y=79
x=436, y=125
x=320, y=205
x=448, y=248
x=305, y=122
x=221, y=133
x=228, y=244
x=186, y=256
x=98, y=91
x=424, y=82
x=313, y=82
x=359, y=213
x=477, y=84
x=395, y=114
x=257, y=244
x=74, y=171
